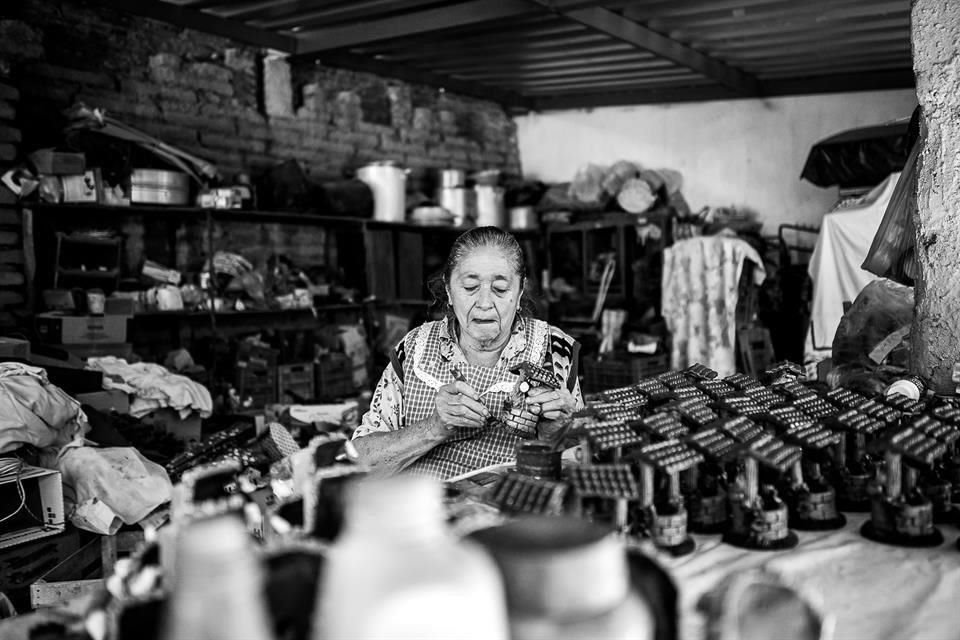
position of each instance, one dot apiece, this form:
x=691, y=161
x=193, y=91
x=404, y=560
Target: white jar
x=397, y=572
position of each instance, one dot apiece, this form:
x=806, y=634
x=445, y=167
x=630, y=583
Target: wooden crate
x=295, y=382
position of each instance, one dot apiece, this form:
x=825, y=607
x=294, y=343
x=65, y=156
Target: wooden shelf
x=247, y=215
x=244, y=314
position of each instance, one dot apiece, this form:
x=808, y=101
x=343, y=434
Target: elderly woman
x=442, y=407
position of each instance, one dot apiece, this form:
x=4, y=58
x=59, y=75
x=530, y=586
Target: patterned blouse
x=424, y=361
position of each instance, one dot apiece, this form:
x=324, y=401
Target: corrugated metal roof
x=541, y=54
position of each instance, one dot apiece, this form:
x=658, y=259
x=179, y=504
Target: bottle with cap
x=397, y=571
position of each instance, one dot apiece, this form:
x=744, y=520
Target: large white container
x=388, y=182
x=397, y=572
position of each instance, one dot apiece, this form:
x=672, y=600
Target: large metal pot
x=459, y=201
x=451, y=178
x=388, y=182
x=491, y=210
x=524, y=217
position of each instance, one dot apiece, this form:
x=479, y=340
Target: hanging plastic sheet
x=858, y=157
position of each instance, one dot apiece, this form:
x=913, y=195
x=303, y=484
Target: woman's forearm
x=393, y=451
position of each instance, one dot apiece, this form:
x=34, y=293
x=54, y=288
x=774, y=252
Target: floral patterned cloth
x=424, y=361
x=700, y=289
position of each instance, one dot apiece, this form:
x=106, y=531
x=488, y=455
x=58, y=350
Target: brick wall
x=12, y=294
x=232, y=105
x=229, y=103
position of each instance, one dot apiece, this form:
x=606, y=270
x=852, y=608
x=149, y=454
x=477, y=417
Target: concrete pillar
x=935, y=26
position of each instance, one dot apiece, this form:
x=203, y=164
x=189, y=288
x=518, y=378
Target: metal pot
x=451, y=178
x=459, y=201
x=158, y=186
x=491, y=210
x=523, y=218
x=388, y=182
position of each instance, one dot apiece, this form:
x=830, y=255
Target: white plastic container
x=397, y=572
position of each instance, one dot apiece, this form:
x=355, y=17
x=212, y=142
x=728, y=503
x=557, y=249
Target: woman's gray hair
x=481, y=238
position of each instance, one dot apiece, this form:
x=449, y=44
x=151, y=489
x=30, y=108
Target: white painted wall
x=738, y=152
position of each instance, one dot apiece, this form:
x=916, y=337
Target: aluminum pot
x=491, y=210
x=459, y=201
x=158, y=186
x=523, y=218
x=451, y=178
x=388, y=182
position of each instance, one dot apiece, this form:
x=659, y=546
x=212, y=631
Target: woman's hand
x=551, y=404
x=458, y=405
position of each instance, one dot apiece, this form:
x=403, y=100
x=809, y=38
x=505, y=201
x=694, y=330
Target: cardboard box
x=14, y=348
x=106, y=401
x=57, y=328
x=58, y=163
x=82, y=188
x=44, y=499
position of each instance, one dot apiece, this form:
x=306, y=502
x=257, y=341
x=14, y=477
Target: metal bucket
x=388, y=182
x=460, y=202
x=491, y=210
x=523, y=218
x=158, y=186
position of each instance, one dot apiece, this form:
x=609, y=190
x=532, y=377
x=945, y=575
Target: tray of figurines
x=750, y=459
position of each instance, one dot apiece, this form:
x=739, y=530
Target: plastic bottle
x=217, y=591
x=396, y=571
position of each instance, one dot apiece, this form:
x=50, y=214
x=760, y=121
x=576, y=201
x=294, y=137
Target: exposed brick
x=9, y=238
x=9, y=133
x=8, y=92
x=7, y=110
x=355, y=138
x=10, y=278
x=8, y=153
x=77, y=76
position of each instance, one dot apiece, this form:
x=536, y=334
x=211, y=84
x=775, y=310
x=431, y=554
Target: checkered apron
x=427, y=366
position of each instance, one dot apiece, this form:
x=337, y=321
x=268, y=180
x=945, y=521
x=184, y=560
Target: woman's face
x=484, y=292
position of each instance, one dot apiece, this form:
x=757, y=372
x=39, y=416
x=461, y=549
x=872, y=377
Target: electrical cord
x=11, y=467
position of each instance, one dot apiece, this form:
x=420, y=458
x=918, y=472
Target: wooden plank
x=410, y=265
x=9, y=133
x=9, y=92
x=617, y=26
x=10, y=278
x=381, y=263
x=9, y=217
x=29, y=259
x=55, y=594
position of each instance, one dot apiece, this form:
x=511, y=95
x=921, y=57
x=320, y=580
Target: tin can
x=912, y=386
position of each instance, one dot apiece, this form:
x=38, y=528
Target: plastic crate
x=619, y=370
x=257, y=381
x=295, y=382
x=333, y=376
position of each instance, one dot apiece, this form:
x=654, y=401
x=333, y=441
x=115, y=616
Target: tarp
x=858, y=157
x=845, y=237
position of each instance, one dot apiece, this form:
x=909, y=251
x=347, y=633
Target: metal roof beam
x=419, y=22
x=200, y=21
x=638, y=35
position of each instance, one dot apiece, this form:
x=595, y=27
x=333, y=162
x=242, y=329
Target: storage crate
x=295, y=382
x=256, y=381
x=334, y=376
x=620, y=370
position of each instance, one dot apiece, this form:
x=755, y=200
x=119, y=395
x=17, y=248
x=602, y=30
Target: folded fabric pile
x=153, y=387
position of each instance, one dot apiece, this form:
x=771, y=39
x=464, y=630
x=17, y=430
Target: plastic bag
x=893, y=251
x=34, y=411
x=876, y=328
x=112, y=486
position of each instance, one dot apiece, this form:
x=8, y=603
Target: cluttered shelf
x=247, y=312
x=247, y=215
